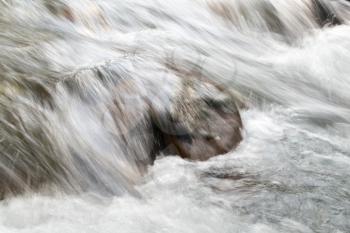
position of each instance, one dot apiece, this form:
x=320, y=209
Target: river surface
x=289, y=174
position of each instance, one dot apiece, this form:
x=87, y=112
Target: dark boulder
x=325, y=14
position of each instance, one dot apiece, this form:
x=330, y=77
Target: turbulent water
x=63, y=63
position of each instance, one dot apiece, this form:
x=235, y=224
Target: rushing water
x=60, y=67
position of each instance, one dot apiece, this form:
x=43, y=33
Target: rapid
x=74, y=169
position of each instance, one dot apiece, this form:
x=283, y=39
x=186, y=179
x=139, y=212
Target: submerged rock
x=275, y=17
x=111, y=130
x=60, y=9
x=87, y=13
x=324, y=13
x=256, y=14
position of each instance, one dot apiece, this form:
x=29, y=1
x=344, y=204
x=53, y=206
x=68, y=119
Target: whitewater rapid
x=289, y=174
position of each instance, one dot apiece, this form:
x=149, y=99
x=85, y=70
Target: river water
x=289, y=174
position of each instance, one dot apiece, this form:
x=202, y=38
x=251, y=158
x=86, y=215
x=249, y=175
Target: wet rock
x=199, y=119
x=204, y=122
x=325, y=14
x=91, y=15
x=240, y=14
x=111, y=132
x=60, y=9
x=132, y=122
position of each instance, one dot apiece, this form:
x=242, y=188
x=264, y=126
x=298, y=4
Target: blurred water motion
x=78, y=80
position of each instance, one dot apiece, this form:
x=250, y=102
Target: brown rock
x=204, y=122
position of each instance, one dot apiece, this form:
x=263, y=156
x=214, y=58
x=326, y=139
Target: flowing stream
x=63, y=62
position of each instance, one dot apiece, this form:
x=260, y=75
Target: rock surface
x=203, y=122
x=324, y=14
